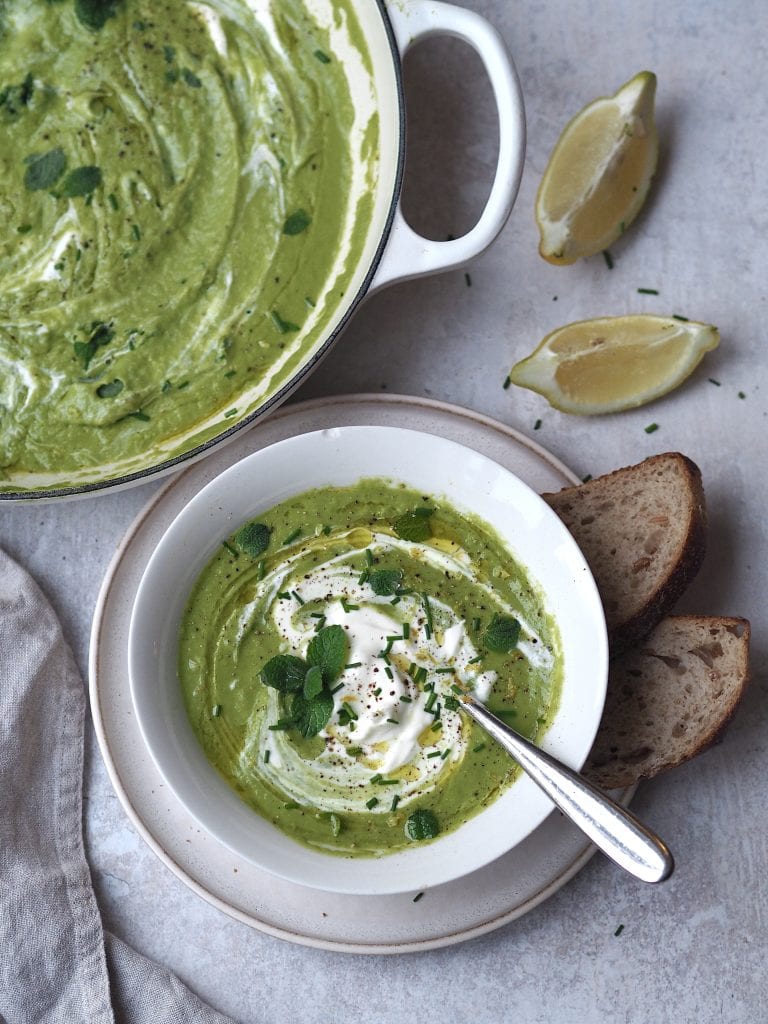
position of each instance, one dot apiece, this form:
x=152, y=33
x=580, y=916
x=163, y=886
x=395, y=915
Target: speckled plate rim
x=559, y=878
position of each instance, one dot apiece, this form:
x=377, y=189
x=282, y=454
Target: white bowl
x=339, y=457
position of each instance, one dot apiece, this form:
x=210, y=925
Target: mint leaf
x=253, y=539
x=328, y=650
x=296, y=223
x=313, y=682
x=502, y=634
x=81, y=182
x=311, y=715
x=45, y=170
x=95, y=13
x=14, y=97
x=285, y=673
x=101, y=334
x=110, y=390
x=385, y=581
x=414, y=526
x=422, y=824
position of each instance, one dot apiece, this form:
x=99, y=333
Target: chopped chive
x=354, y=751
x=322, y=57
x=406, y=700
x=387, y=782
x=421, y=675
x=266, y=757
x=261, y=570
x=417, y=897
x=395, y=802
x=676, y=316
x=412, y=669
x=291, y=806
x=353, y=664
x=474, y=661
x=713, y=381
x=377, y=691
x=284, y=595
x=608, y=259
x=652, y=428
x=298, y=598
x=316, y=615
x=375, y=778
x=476, y=749
x=348, y=606
x=742, y=395
x=430, y=702
x=436, y=727
x=184, y=384
x=445, y=753
x=468, y=280
x=112, y=199
x=428, y=614
x=337, y=688
x=435, y=753
x=326, y=530
x=451, y=704
x=406, y=630
x=292, y=536
x=215, y=710
x=475, y=624
x=537, y=425
x=457, y=689
x=388, y=672
x=370, y=804
x=507, y=382
x=587, y=478
x=233, y=551
x=393, y=721
x=136, y=232
x=281, y=725
x=444, y=671
x=394, y=639
x=647, y=291
x=229, y=413
x=396, y=600
x=230, y=373
x=429, y=686
x=369, y=556
x=618, y=931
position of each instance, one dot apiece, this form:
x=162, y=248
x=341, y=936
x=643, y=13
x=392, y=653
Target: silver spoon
x=610, y=827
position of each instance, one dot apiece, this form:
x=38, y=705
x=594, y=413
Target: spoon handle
x=611, y=828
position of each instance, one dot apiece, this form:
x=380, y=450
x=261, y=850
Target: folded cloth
x=57, y=964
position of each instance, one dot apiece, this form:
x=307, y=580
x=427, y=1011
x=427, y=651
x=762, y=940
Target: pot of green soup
x=195, y=197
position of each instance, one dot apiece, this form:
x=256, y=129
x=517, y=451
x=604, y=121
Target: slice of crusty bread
x=669, y=698
x=642, y=530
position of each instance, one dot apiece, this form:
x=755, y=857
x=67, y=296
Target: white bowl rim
x=417, y=867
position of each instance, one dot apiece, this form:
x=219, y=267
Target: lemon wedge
x=599, y=173
x=614, y=363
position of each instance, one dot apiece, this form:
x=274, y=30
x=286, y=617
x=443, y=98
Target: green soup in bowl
x=324, y=651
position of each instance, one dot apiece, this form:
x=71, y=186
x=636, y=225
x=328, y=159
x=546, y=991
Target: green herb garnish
x=608, y=259
x=111, y=389
x=81, y=182
x=313, y=682
x=45, y=170
x=328, y=650
x=647, y=291
x=310, y=715
x=284, y=673
x=414, y=526
x=292, y=536
x=502, y=634
x=370, y=804
x=284, y=326
x=191, y=78
x=652, y=428
x=422, y=824
x=507, y=382
x=322, y=57
x=296, y=223
x=233, y=551
x=253, y=539
x=95, y=13
x=216, y=710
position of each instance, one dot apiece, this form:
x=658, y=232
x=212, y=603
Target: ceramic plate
x=477, y=903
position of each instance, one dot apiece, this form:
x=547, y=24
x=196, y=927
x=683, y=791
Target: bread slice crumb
x=670, y=698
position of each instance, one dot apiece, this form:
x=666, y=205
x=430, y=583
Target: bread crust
x=631, y=622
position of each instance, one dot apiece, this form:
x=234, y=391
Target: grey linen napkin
x=57, y=964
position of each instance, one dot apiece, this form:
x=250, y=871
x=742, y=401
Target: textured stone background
x=694, y=949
